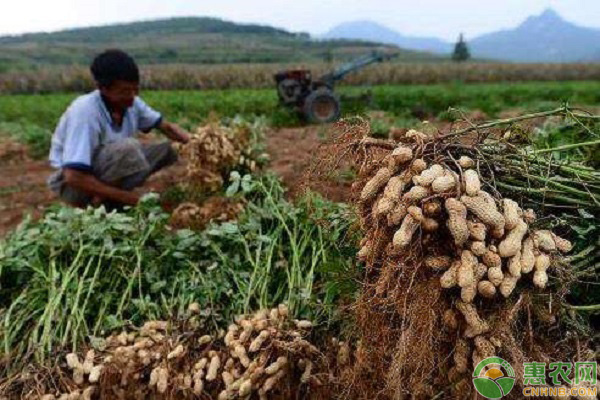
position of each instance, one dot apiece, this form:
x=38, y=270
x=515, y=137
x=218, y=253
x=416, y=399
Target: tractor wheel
x=321, y=106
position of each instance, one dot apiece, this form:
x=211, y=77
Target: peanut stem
x=594, y=307
x=568, y=147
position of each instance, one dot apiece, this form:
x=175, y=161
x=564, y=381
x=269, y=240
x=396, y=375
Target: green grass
x=31, y=134
x=35, y=112
x=490, y=98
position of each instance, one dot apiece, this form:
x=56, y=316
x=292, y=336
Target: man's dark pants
x=125, y=164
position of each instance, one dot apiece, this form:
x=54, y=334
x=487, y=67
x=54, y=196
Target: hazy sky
x=441, y=18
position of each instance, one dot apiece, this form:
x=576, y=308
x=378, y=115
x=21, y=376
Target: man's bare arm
x=92, y=186
x=174, y=132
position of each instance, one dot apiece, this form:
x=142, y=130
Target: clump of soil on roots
x=454, y=273
x=212, y=152
x=214, y=209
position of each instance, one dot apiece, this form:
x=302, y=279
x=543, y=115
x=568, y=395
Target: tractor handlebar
x=354, y=65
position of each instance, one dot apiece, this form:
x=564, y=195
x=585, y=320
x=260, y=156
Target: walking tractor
x=315, y=99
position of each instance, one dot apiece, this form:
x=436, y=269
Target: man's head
x=117, y=76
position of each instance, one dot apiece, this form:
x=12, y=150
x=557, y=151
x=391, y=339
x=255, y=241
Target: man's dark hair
x=114, y=65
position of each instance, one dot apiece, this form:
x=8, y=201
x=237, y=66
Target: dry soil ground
x=23, y=187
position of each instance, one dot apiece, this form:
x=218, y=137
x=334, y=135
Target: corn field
x=226, y=76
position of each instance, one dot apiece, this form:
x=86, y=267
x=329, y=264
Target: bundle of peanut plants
x=462, y=265
x=80, y=274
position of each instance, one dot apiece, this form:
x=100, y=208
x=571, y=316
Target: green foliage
x=35, y=137
x=556, y=134
x=449, y=115
x=76, y=274
x=283, y=116
x=380, y=128
x=461, y=50
x=583, y=228
x=381, y=123
x=490, y=98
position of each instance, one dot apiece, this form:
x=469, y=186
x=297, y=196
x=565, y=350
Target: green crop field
x=32, y=117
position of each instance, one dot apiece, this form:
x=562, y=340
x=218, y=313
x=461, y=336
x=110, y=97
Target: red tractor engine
x=314, y=100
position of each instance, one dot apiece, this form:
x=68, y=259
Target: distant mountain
x=190, y=40
x=193, y=40
x=374, y=32
x=543, y=38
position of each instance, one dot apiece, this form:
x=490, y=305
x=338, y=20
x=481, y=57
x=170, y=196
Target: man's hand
x=131, y=198
x=183, y=135
x=174, y=132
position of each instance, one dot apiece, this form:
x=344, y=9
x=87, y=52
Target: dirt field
x=23, y=187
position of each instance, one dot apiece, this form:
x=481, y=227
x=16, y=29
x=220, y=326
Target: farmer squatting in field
x=96, y=156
